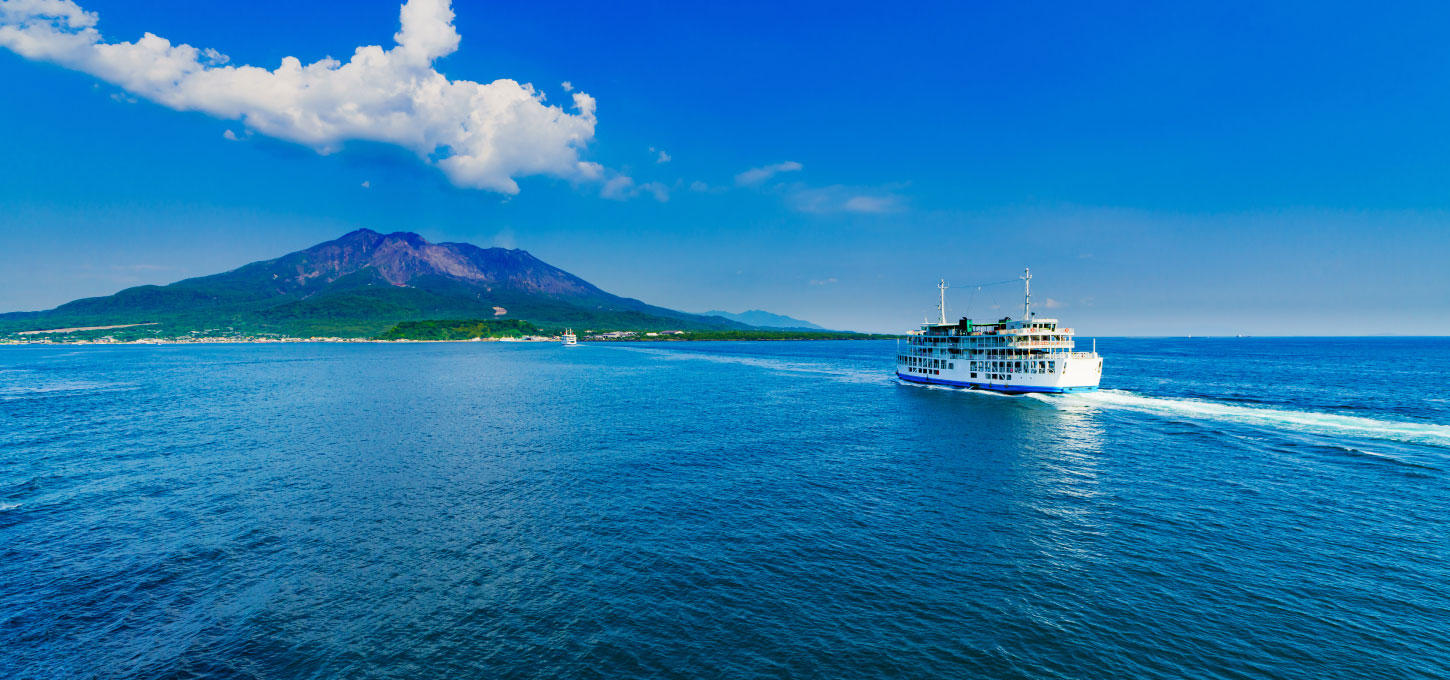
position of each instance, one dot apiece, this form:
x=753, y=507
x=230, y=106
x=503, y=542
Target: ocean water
x=1225, y=508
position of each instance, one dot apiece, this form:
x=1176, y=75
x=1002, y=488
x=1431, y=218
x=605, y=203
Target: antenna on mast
x=1027, y=303
x=943, y=304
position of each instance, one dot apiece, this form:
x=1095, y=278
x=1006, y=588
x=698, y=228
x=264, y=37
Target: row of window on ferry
x=996, y=341
x=1001, y=366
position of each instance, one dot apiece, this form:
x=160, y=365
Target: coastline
x=295, y=341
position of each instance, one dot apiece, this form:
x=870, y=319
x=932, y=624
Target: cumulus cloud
x=481, y=135
x=229, y=136
x=756, y=176
x=663, y=157
x=568, y=86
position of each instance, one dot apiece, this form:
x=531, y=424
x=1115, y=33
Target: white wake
x=1308, y=421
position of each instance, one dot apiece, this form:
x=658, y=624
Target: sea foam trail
x=1308, y=421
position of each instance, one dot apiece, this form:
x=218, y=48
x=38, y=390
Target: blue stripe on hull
x=994, y=387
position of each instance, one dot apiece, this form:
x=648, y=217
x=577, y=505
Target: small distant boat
x=569, y=338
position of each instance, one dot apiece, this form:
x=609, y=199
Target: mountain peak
x=358, y=234
x=763, y=319
x=363, y=281
x=407, y=237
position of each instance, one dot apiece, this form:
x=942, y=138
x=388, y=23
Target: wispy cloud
x=755, y=176
x=481, y=135
x=623, y=188
x=505, y=239
x=229, y=136
x=872, y=204
x=823, y=282
x=838, y=198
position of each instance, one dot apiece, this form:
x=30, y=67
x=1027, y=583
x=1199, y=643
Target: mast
x=1027, y=303
x=943, y=304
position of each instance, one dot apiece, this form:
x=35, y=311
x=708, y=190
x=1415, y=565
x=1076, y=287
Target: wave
x=1308, y=421
x=60, y=387
x=822, y=369
x=949, y=388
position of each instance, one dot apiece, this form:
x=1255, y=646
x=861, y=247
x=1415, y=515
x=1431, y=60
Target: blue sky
x=1213, y=169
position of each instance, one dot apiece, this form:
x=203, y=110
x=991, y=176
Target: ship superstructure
x=1023, y=355
x=569, y=339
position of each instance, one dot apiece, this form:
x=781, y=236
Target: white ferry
x=1026, y=355
x=569, y=338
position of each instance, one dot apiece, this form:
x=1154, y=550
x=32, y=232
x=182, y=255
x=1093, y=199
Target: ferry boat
x=1013, y=356
x=569, y=338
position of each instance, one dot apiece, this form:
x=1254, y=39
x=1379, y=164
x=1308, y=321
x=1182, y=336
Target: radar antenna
x=1027, y=303
x=942, y=306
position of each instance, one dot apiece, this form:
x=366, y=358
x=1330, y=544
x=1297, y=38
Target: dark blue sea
x=1225, y=508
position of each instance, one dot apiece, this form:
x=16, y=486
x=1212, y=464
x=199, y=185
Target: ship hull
x=1005, y=388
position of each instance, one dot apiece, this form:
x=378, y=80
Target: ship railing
x=1033, y=331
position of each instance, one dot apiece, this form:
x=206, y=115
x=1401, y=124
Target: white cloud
x=481, y=135
x=756, y=176
x=367, y=184
x=568, y=86
x=823, y=282
x=872, y=204
x=623, y=188
x=663, y=157
x=837, y=198
x=618, y=188
x=229, y=136
x=1054, y=304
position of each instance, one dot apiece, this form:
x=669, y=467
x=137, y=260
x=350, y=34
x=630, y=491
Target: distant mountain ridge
x=763, y=319
x=363, y=283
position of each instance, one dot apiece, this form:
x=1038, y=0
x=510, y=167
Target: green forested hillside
x=360, y=286
x=465, y=329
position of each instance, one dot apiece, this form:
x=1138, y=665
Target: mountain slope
x=362, y=283
x=762, y=319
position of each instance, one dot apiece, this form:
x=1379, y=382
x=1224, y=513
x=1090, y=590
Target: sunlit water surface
x=1234, y=508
